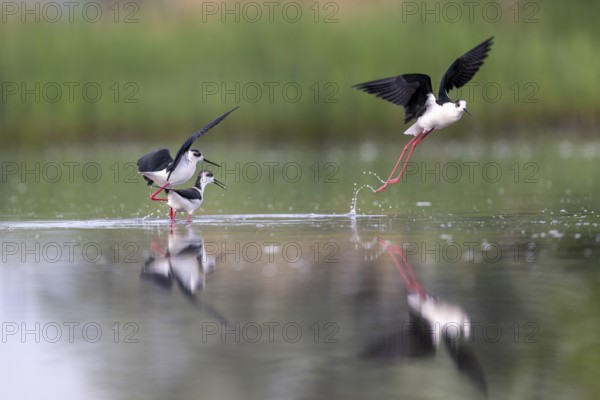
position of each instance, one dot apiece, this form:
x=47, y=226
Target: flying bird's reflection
x=431, y=322
x=184, y=261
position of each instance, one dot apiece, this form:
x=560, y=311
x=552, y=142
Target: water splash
x=152, y=213
x=357, y=190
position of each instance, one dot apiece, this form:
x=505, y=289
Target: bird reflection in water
x=185, y=261
x=431, y=322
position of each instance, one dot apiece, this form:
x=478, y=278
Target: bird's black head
x=196, y=156
x=196, y=153
x=204, y=178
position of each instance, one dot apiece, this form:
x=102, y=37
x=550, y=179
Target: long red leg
x=157, y=249
x=172, y=214
x=396, y=166
x=160, y=189
x=410, y=280
x=424, y=136
x=419, y=139
x=189, y=218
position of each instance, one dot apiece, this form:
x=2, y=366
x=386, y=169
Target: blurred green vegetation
x=168, y=68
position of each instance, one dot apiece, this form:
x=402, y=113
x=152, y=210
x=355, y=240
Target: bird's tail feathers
x=414, y=130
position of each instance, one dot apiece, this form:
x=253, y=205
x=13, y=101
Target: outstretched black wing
x=188, y=143
x=413, y=341
x=409, y=91
x=463, y=69
x=467, y=364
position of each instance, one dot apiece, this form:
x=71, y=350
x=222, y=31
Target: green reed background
x=167, y=68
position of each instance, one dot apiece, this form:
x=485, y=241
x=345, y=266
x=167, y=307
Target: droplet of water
x=355, y=198
x=357, y=190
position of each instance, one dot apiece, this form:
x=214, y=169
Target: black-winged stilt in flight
x=190, y=199
x=414, y=93
x=159, y=167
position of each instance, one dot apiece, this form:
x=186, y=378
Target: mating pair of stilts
x=158, y=167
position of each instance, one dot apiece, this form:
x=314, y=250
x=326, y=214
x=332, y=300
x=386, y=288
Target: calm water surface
x=287, y=307
x=102, y=298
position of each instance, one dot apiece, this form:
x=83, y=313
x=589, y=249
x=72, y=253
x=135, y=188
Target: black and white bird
x=414, y=93
x=188, y=200
x=159, y=167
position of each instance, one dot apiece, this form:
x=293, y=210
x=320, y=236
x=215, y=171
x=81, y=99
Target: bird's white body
x=179, y=203
x=436, y=116
x=189, y=200
x=445, y=319
x=181, y=174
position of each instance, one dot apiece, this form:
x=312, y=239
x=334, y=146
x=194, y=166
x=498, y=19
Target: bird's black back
x=190, y=193
x=156, y=160
x=409, y=91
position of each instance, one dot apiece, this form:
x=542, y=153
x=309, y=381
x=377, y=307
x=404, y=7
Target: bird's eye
x=457, y=104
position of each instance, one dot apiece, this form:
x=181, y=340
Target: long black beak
x=210, y=162
x=219, y=183
x=467, y=111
